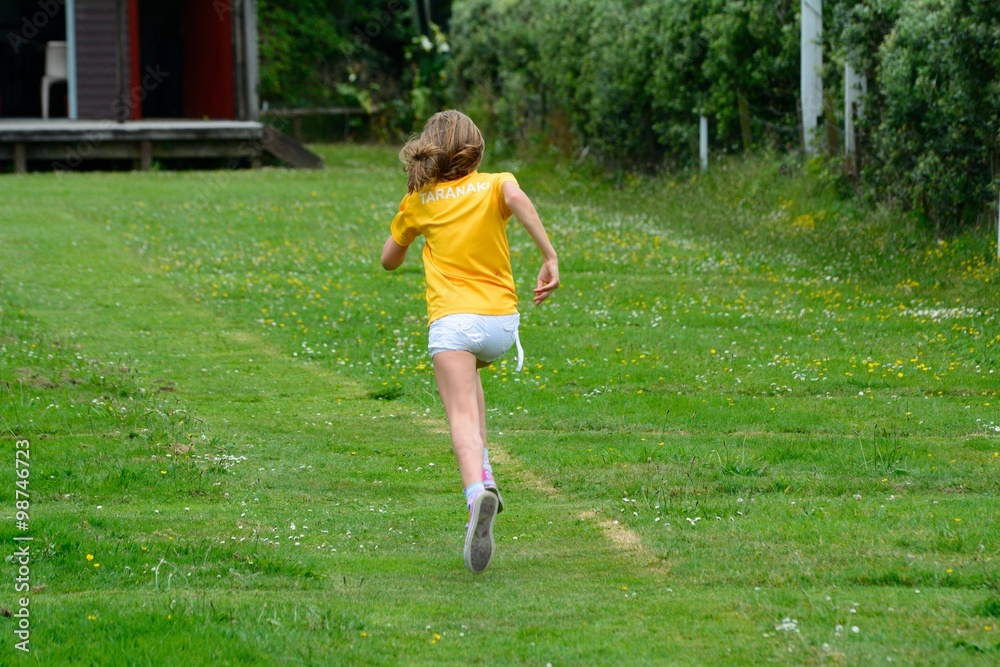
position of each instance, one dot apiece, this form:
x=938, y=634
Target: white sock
x=473, y=490
x=487, y=468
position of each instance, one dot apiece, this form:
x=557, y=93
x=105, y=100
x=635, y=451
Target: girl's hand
x=548, y=280
x=521, y=206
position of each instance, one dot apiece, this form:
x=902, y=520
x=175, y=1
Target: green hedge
x=933, y=118
x=627, y=81
x=316, y=53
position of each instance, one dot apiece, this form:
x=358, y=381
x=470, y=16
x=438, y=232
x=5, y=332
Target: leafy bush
x=316, y=53
x=934, y=119
x=627, y=81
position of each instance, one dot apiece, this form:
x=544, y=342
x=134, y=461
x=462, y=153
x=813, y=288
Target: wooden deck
x=66, y=144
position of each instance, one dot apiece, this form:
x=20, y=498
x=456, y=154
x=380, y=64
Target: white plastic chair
x=55, y=71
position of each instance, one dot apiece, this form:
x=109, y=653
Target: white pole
x=855, y=86
x=848, y=109
x=811, y=45
x=71, y=91
x=703, y=143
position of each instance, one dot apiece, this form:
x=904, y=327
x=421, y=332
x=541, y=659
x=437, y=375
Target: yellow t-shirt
x=466, y=257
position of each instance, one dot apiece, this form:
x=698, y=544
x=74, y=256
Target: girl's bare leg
x=458, y=384
x=482, y=407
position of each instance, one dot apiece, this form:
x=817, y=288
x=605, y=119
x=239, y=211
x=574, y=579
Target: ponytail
x=450, y=147
x=421, y=160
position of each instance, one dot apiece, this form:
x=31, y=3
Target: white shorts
x=488, y=337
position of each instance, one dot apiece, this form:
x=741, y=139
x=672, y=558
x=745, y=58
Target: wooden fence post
x=20, y=158
x=745, y=128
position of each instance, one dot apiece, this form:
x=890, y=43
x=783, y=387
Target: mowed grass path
x=756, y=426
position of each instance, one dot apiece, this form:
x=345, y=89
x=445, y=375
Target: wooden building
x=128, y=79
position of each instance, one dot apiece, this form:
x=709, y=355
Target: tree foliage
x=628, y=79
x=933, y=119
x=334, y=52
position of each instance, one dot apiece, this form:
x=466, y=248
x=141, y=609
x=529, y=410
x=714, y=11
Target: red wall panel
x=209, y=86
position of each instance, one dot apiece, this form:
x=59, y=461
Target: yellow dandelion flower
x=90, y=556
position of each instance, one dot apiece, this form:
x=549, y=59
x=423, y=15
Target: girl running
x=471, y=301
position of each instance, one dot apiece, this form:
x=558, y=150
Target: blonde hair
x=450, y=147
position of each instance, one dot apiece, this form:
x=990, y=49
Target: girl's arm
x=393, y=254
x=524, y=210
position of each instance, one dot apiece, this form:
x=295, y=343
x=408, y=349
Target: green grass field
x=758, y=424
